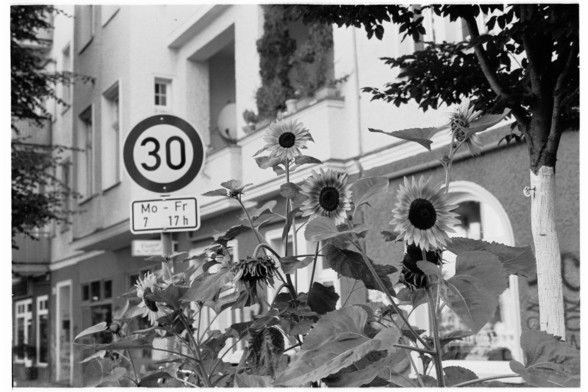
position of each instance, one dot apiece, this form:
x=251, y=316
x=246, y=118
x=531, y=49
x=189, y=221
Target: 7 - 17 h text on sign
x=164, y=215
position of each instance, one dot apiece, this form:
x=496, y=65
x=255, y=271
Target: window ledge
x=110, y=187
x=85, y=200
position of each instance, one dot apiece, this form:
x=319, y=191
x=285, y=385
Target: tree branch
x=489, y=73
x=555, y=129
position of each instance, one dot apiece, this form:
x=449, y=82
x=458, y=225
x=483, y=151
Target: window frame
x=27, y=316
x=462, y=191
x=87, y=125
x=41, y=312
x=111, y=95
x=168, y=83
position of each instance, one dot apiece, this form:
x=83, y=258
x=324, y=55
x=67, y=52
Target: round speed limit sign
x=163, y=153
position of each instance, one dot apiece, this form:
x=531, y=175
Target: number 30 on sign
x=163, y=153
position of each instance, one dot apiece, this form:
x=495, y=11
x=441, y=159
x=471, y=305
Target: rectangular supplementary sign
x=165, y=215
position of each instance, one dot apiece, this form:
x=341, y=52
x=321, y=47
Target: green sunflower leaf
x=257, y=212
x=322, y=298
x=323, y=228
x=231, y=233
x=291, y=263
x=305, y=160
x=429, y=268
x=486, y=267
x=515, y=260
x=421, y=136
x=351, y=264
x=336, y=341
x=100, y=327
x=486, y=121
x=266, y=162
x=365, y=189
x=470, y=301
x=292, y=191
x=216, y=192
x=243, y=380
x=456, y=374
x=549, y=361
x=206, y=286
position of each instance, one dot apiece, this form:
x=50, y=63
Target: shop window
x=42, y=330
x=23, y=330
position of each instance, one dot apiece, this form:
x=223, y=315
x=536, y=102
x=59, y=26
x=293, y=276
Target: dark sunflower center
x=422, y=214
x=151, y=305
x=287, y=139
x=329, y=198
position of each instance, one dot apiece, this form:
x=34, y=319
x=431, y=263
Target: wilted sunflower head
x=459, y=123
x=411, y=275
x=328, y=194
x=251, y=271
x=422, y=215
x=285, y=138
x=145, y=289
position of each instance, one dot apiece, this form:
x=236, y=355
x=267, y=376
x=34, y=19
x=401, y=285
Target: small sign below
x=144, y=248
x=165, y=215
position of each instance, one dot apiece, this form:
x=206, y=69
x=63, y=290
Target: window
x=110, y=137
x=162, y=94
x=324, y=274
x=97, y=290
x=86, y=156
x=66, y=67
x=85, y=26
x=65, y=178
x=64, y=332
x=96, y=308
x=23, y=329
x=488, y=352
x=42, y=330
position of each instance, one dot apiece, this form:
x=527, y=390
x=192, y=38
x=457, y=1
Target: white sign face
x=165, y=215
x=163, y=154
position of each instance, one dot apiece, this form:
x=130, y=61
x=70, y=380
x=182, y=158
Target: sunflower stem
x=470, y=382
x=259, y=239
x=436, y=341
x=195, y=350
x=313, y=268
x=136, y=380
x=385, y=291
x=288, y=278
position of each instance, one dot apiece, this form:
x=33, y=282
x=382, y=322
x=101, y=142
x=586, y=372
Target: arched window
x=488, y=352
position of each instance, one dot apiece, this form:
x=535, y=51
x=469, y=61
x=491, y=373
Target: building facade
x=201, y=63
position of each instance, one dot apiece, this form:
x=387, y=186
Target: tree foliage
x=524, y=57
x=37, y=196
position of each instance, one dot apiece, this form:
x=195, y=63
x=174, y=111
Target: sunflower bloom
x=423, y=215
x=328, y=194
x=459, y=123
x=145, y=288
x=285, y=138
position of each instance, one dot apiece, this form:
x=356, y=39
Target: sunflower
x=422, y=215
x=145, y=288
x=284, y=139
x=459, y=123
x=411, y=275
x=328, y=194
x=249, y=272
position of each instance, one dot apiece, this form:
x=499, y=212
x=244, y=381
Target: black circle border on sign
x=193, y=170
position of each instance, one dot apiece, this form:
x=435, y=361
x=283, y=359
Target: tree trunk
x=547, y=253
